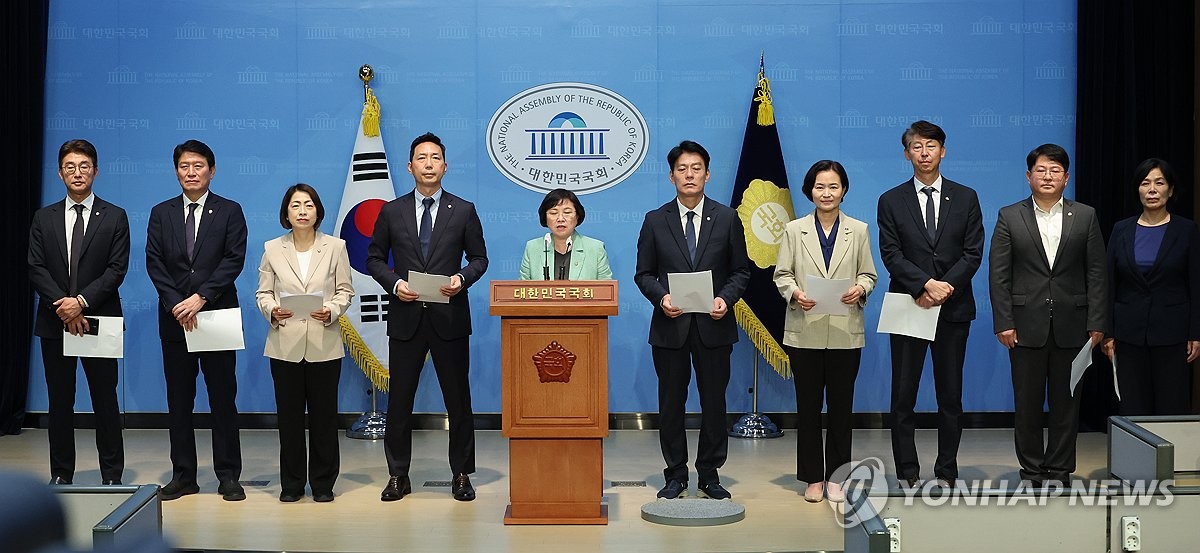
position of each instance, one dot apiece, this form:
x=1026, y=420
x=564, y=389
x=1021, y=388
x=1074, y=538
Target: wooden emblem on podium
x=554, y=363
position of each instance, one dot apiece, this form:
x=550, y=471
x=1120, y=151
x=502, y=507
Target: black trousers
x=181, y=368
x=101, y=374
x=674, y=368
x=1154, y=380
x=827, y=374
x=452, y=362
x=908, y=361
x=1042, y=375
x=315, y=386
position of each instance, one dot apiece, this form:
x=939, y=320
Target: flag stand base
x=755, y=425
x=370, y=426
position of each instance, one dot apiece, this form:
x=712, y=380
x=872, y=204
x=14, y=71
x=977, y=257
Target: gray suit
x=1052, y=311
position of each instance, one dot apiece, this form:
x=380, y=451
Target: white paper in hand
x=302, y=304
x=108, y=341
x=1082, y=361
x=691, y=292
x=216, y=330
x=428, y=286
x=827, y=292
x=900, y=314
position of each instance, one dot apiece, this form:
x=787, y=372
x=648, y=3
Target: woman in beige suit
x=305, y=349
x=824, y=349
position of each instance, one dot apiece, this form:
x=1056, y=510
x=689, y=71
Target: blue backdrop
x=272, y=86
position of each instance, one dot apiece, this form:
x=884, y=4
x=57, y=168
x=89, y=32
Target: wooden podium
x=554, y=393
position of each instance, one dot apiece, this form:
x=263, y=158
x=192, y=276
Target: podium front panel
x=555, y=377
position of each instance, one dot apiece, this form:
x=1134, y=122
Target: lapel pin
x=1069, y=214
x=210, y=211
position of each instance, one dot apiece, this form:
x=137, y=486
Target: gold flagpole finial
x=371, y=113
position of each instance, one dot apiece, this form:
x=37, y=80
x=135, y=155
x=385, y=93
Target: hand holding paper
x=429, y=287
x=691, y=292
x=827, y=292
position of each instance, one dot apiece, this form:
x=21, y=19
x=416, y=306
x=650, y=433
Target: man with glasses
x=78, y=256
x=1049, y=298
x=931, y=241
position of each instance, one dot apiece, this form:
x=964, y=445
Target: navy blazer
x=102, y=267
x=457, y=232
x=1025, y=290
x=953, y=255
x=720, y=247
x=217, y=258
x=1156, y=308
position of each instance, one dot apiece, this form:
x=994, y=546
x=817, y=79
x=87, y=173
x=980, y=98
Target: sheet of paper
x=1116, y=387
x=428, y=286
x=1082, y=361
x=827, y=292
x=692, y=292
x=216, y=330
x=109, y=340
x=302, y=304
x=900, y=314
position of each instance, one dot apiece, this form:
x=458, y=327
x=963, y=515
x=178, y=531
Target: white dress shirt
x=937, y=197
x=433, y=209
x=199, y=211
x=683, y=211
x=69, y=219
x=1050, y=227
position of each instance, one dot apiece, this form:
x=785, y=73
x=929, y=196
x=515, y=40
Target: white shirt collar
x=1056, y=208
x=87, y=202
x=201, y=200
x=937, y=184
x=683, y=209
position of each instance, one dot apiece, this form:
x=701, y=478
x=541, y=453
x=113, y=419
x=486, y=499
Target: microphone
x=562, y=271
x=546, y=257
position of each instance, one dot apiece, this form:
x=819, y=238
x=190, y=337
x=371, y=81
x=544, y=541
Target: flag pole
x=755, y=424
x=371, y=424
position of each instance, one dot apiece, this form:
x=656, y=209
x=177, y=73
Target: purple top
x=1146, y=241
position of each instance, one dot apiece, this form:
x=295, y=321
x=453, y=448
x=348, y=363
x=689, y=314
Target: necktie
x=189, y=229
x=689, y=234
x=930, y=220
x=426, y=227
x=76, y=249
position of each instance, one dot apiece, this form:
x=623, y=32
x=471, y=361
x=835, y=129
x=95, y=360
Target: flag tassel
x=766, y=110
x=762, y=339
x=370, y=114
x=362, y=354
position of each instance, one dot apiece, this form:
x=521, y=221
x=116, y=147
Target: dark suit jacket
x=953, y=255
x=1160, y=307
x=1025, y=289
x=456, y=232
x=101, y=269
x=720, y=247
x=217, y=260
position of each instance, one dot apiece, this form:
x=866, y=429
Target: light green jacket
x=589, y=261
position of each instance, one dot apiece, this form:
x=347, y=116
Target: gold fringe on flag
x=361, y=353
x=762, y=339
x=766, y=111
x=370, y=114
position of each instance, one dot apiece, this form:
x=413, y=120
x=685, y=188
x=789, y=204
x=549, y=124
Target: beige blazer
x=294, y=339
x=800, y=256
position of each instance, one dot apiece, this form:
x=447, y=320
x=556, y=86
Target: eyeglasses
x=1054, y=172
x=83, y=168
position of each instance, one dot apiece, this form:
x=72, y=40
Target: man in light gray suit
x=1049, y=296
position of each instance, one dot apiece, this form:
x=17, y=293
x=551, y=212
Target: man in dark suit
x=1049, y=297
x=931, y=241
x=692, y=233
x=78, y=256
x=430, y=231
x=195, y=249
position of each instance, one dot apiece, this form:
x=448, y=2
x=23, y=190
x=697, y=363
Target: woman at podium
x=303, y=287
x=563, y=253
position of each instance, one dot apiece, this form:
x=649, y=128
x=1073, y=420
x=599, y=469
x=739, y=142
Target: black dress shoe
x=911, y=483
x=59, y=481
x=322, y=497
x=673, y=489
x=231, y=490
x=288, y=496
x=713, y=490
x=397, y=487
x=176, y=490
x=463, y=490
x=116, y=482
